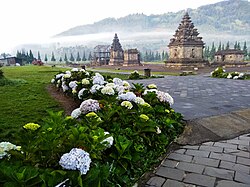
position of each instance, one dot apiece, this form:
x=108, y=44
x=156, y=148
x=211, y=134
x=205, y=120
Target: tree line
x=209, y=52
x=28, y=57
x=150, y=56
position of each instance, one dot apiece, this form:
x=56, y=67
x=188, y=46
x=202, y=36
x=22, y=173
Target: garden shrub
x=221, y=73
x=114, y=136
x=134, y=75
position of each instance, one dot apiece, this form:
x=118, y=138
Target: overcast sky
x=25, y=21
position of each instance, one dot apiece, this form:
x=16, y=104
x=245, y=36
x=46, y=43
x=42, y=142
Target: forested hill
x=229, y=16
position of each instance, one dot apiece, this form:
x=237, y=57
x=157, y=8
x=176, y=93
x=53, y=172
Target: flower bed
x=221, y=73
x=114, y=136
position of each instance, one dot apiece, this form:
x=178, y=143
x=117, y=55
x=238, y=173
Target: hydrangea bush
x=115, y=135
x=221, y=73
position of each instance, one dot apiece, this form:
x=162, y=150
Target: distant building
x=131, y=57
x=229, y=56
x=116, y=53
x=10, y=61
x=186, y=48
x=101, y=55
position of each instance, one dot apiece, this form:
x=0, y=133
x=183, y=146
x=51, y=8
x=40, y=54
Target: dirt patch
x=66, y=102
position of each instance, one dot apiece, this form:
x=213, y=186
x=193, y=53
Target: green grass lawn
x=24, y=98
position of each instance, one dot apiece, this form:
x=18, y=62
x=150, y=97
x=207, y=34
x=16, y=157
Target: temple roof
x=186, y=33
x=116, y=46
x=230, y=52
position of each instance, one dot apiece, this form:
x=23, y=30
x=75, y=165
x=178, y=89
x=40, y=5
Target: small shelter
x=229, y=56
x=131, y=57
x=101, y=55
x=10, y=61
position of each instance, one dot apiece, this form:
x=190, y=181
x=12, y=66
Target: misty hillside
x=229, y=16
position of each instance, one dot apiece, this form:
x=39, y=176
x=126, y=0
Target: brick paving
x=212, y=164
x=201, y=96
x=215, y=105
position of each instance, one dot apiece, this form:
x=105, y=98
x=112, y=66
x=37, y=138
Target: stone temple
x=186, y=48
x=116, y=53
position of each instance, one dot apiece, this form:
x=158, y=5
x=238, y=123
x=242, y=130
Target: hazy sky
x=31, y=21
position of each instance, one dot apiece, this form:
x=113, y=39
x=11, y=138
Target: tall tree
x=212, y=52
x=223, y=47
x=238, y=46
x=227, y=46
x=219, y=47
x=235, y=45
x=65, y=58
x=53, y=59
x=45, y=58
x=60, y=59
x=30, y=56
x=84, y=56
x=72, y=59
x=78, y=57
x=245, y=49
x=90, y=56
x=38, y=55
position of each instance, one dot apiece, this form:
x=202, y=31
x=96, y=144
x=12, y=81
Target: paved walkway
x=201, y=96
x=215, y=109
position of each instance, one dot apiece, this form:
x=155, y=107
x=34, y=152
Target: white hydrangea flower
x=76, y=113
x=211, y=73
x=73, y=84
x=119, y=89
x=58, y=76
x=53, y=81
x=85, y=82
x=127, y=104
x=82, y=70
x=76, y=159
x=64, y=87
x=150, y=90
x=126, y=85
x=241, y=75
x=235, y=77
x=89, y=105
x=229, y=76
x=118, y=81
x=75, y=70
x=112, y=85
x=68, y=72
x=58, y=81
x=107, y=90
x=80, y=93
x=158, y=130
x=139, y=101
x=165, y=97
x=5, y=147
x=109, y=141
x=152, y=86
x=66, y=76
x=95, y=88
x=129, y=96
x=98, y=79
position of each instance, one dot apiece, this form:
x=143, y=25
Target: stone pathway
x=201, y=96
x=221, y=164
x=215, y=109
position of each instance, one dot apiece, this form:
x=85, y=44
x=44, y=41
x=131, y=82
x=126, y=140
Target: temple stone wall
x=131, y=57
x=229, y=58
